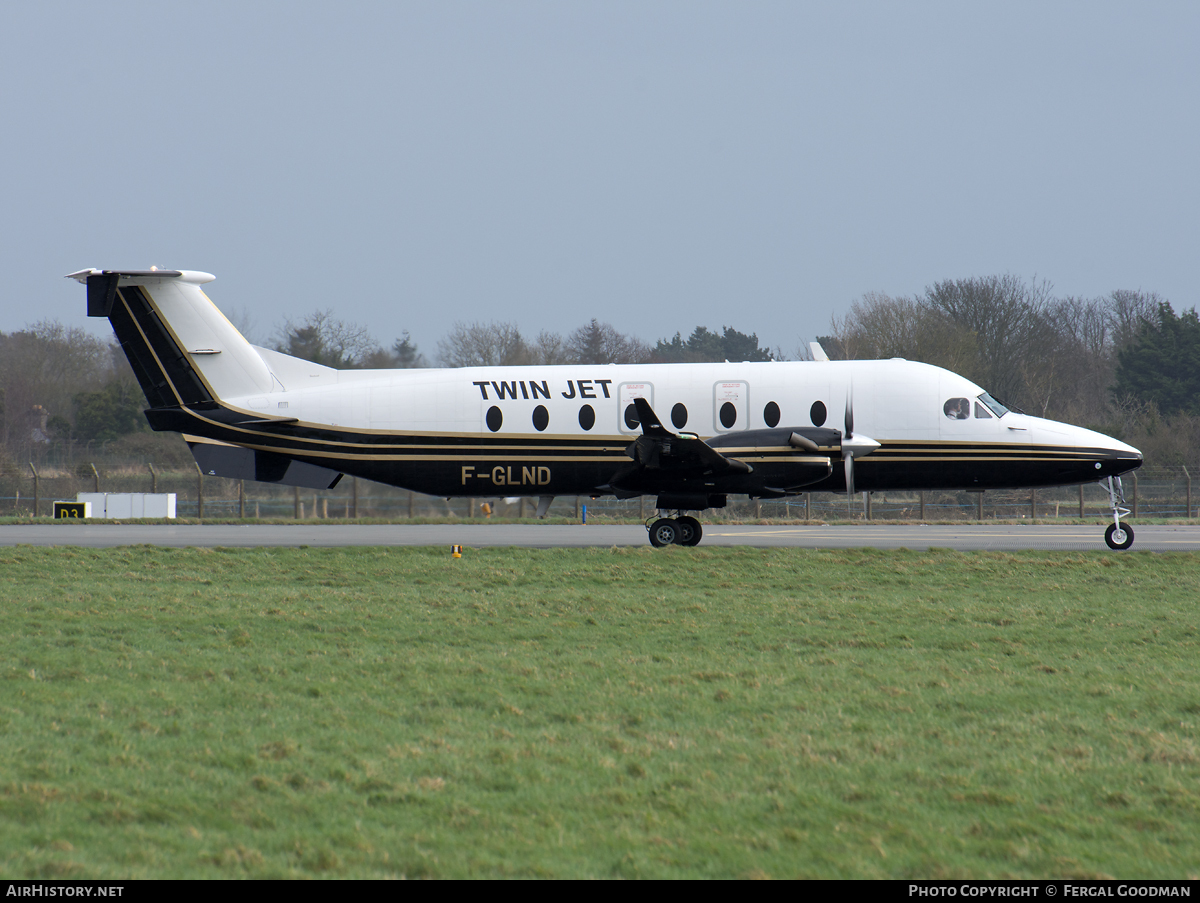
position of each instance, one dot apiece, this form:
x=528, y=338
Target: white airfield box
x=129, y=505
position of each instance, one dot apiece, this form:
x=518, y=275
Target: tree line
x=324, y=339
x=1125, y=364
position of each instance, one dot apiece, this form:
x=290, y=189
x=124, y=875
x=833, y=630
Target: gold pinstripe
x=395, y=457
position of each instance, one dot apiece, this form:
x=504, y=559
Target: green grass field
x=598, y=713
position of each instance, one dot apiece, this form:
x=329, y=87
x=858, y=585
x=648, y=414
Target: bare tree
x=323, y=339
x=600, y=343
x=880, y=326
x=550, y=348
x=1126, y=310
x=1070, y=375
x=483, y=345
x=1007, y=318
x=42, y=369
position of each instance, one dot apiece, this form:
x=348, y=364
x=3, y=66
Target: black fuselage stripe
x=559, y=451
x=146, y=342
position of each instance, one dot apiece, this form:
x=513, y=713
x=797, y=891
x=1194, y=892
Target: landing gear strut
x=1118, y=535
x=684, y=531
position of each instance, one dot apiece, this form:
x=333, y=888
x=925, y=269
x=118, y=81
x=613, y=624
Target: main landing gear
x=683, y=531
x=1118, y=535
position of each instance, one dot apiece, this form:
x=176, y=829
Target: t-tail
x=183, y=350
x=190, y=360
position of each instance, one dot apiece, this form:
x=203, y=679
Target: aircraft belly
x=984, y=469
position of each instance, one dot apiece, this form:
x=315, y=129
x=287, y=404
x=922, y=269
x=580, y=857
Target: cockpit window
x=992, y=405
x=957, y=409
x=981, y=413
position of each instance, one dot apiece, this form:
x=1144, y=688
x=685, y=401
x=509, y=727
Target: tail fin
x=183, y=350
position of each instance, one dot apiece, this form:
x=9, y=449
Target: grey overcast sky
x=656, y=165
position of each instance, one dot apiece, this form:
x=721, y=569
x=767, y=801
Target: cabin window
x=494, y=419
x=541, y=418
x=631, y=416
x=728, y=415
x=587, y=417
x=771, y=414
x=679, y=416
x=817, y=413
x=982, y=413
x=957, y=409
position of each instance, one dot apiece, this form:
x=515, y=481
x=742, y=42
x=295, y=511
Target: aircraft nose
x=1116, y=457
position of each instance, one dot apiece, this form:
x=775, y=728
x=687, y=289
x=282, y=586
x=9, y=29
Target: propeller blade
x=847, y=454
x=850, y=413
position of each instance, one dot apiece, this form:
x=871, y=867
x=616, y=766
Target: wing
x=679, y=455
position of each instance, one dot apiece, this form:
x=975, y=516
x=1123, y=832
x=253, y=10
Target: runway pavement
x=1081, y=537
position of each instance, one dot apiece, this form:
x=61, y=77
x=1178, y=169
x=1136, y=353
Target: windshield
x=992, y=405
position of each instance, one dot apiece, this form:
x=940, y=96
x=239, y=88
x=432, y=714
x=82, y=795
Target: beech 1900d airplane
x=767, y=430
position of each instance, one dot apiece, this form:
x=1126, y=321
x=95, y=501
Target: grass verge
x=603, y=520
x=578, y=713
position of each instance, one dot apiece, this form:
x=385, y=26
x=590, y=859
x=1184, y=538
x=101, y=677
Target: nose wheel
x=683, y=531
x=1119, y=536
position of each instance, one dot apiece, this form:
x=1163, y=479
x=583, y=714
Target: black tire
x=664, y=532
x=1121, y=540
x=690, y=531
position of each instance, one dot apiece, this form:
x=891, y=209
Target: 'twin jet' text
x=576, y=388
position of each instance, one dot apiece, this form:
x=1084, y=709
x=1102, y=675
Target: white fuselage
x=892, y=400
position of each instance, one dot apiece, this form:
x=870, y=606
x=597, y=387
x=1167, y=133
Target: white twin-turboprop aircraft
x=766, y=430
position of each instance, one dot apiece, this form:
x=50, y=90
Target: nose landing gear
x=1118, y=536
x=684, y=531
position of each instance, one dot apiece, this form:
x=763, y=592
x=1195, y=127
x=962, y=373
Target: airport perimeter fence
x=1159, y=492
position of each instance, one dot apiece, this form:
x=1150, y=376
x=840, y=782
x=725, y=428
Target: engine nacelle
x=779, y=437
